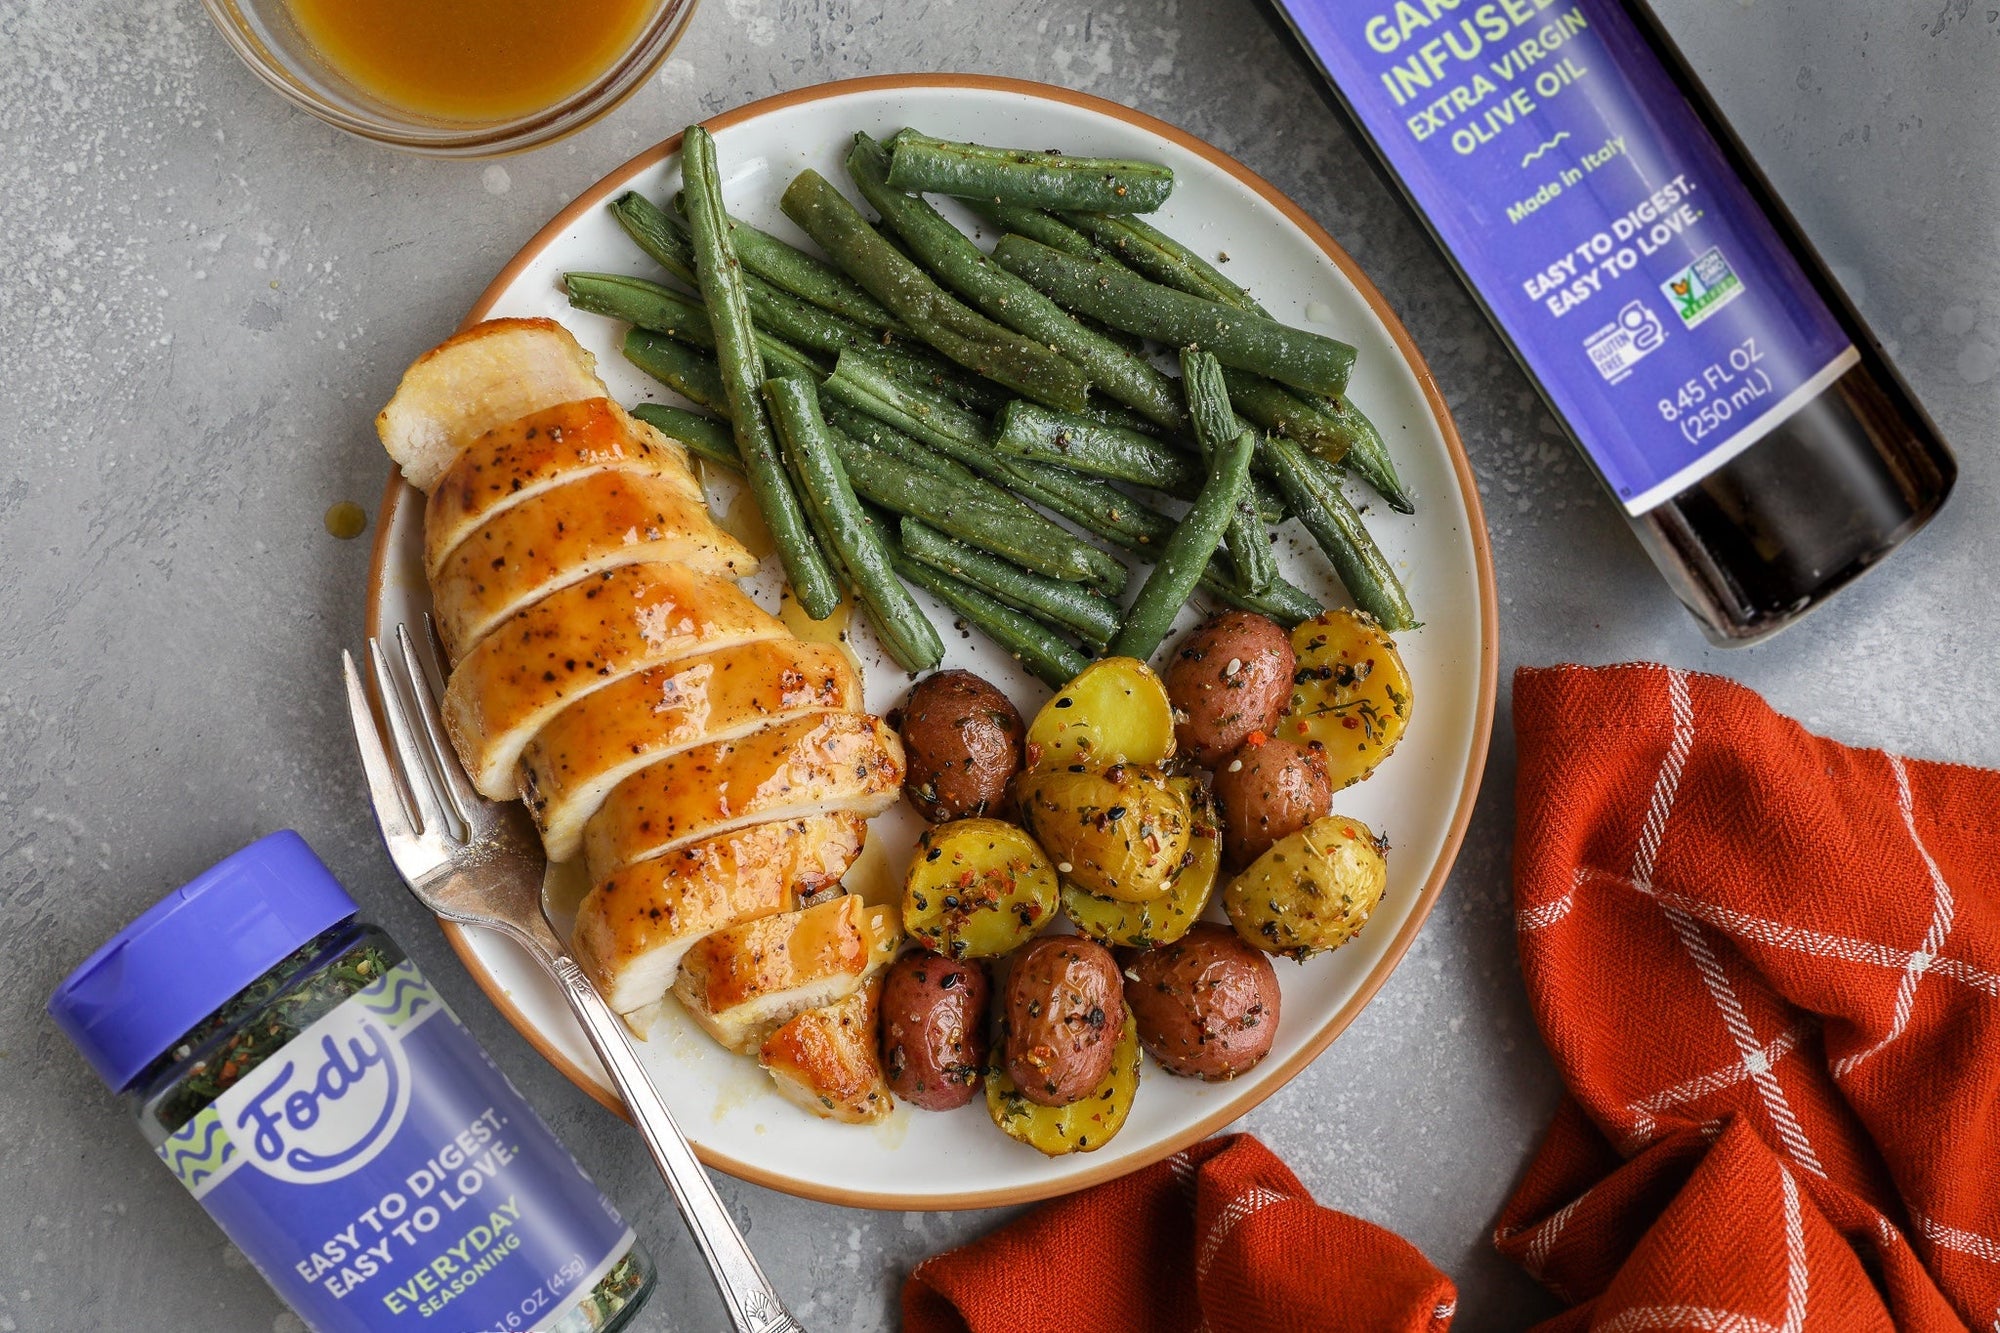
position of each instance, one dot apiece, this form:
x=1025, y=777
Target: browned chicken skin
x=713, y=768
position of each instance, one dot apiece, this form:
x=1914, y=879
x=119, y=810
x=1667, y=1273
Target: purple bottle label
x=1598, y=219
x=382, y=1174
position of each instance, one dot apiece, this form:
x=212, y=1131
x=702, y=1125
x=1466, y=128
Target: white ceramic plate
x=1420, y=798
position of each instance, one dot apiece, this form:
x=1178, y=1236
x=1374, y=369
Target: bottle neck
x=257, y=1021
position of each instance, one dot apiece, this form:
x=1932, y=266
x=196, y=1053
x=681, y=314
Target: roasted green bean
x=1215, y=425
x=1066, y=606
x=1034, y=646
x=690, y=373
x=963, y=437
x=1313, y=490
x=1122, y=299
x=998, y=294
x=812, y=280
x=1188, y=552
x=1025, y=176
x=663, y=310
x=707, y=438
x=961, y=333
x=742, y=366
x=1151, y=252
x=1024, y=537
x=900, y=623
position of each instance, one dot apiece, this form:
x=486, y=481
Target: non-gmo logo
x=1703, y=287
x=326, y=1104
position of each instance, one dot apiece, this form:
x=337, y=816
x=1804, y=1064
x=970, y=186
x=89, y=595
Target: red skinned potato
x=933, y=1029
x=1061, y=1017
x=1206, y=1005
x=962, y=739
x=1230, y=676
x=1266, y=792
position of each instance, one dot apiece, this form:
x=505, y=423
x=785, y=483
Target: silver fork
x=479, y=863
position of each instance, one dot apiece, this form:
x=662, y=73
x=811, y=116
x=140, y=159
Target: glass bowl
x=263, y=33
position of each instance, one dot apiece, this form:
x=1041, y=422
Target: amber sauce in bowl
x=470, y=60
x=456, y=78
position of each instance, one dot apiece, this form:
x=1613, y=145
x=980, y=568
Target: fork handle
x=753, y=1304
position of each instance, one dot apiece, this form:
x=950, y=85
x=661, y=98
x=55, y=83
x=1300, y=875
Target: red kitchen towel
x=1768, y=967
x=1219, y=1237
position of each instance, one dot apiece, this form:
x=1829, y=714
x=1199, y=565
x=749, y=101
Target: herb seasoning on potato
x=1312, y=891
x=1230, y=678
x=933, y=1016
x=1164, y=919
x=1060, y=1021
x=1084, y=1125
x=1122, y=833
x=1115, y=712
x=1269, y=791
x=1351, y=693
x=978, y=888
x=1206, y=1005
x=962, y=739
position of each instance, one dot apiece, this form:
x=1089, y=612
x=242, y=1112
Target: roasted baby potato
x=1114, y=712
x=977, y=888
x=1059, y=1019
x=1167, y=917
x=933, y=1028
x=1122, y=833
x=1083, y=1125
x=1350, y=692
x=1312, y=891
x=1206, y=1005
x=962, y=739
x=1230, y=678
x=1266, y=792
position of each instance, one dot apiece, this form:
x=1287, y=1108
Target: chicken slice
x=633, y=928
x=567, y=533
x=813, y=765
x=480, y=378
x=598, y=741
x=520, y=459
x=580, y=639
x=740, y=983
x=827, y=1061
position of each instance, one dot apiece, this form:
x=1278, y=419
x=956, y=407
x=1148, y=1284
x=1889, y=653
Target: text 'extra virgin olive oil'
x=470, y=60
x=1660, y=297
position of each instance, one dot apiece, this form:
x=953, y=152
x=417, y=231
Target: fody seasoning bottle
x=297, y=1073
x=1658, y=294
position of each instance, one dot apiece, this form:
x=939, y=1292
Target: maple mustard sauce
x=475, y=60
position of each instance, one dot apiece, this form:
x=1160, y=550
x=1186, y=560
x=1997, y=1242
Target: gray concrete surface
x=204, y=295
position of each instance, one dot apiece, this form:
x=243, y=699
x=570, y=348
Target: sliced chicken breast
x=580, y=639
x=567, y=533
x=483, y=377
x=633, y=929
x=741, y=983
x=598, y=741
x=827, y=1061
x=520, y=459
x=814, y=765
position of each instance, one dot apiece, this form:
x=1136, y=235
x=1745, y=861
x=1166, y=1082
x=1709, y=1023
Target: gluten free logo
x=1625, y=341
x=1702, y=288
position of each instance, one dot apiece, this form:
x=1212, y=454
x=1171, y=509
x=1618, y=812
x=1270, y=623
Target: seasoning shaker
x=292, y=1067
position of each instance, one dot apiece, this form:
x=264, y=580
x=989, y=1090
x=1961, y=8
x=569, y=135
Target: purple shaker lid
x=189, y=953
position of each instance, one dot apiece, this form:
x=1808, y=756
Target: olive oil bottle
x=1659, y=295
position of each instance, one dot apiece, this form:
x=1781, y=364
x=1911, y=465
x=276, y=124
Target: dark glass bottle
x=1468, y=105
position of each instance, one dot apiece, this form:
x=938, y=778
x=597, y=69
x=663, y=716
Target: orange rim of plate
x=1489, y=646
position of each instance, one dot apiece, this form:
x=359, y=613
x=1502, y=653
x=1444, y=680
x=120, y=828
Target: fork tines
x=419, y=789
